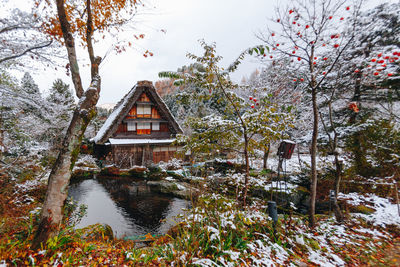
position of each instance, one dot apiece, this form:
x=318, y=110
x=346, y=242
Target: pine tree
x=60, y=94
x=28, y=85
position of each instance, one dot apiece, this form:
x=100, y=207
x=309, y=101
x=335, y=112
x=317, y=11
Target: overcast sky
x=231, y=24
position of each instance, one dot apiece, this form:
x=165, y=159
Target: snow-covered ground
x=321, y=246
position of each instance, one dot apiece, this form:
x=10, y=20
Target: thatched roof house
x=140, y=129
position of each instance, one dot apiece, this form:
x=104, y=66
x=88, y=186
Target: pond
x=128, y=205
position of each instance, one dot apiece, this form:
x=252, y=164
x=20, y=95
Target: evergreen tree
x=28, y=85
x=61, y=103
x=60, y=94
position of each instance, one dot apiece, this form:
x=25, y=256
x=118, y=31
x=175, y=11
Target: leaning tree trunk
x=57, y=189
x=60, y=175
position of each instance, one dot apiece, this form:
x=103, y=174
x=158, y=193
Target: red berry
x=384, y=65
x=330, y=17
x=277, y=45
x=270, y=56
x=251, y=98
x=298, y=58
x=390, y=74
x=294, y=22
x=257, y=104
x=381, y=61
x=255, y=100
x=252, y=106
x=273, y=34
x=373, y=60
x=290, y=11
x=325, y=58
x=278, y=20
x=357, y=71
x=324, y=73
x=294, y=80
x=341, y=18
x=314, y=62
x=264, y=55
x=315, y=57
x=293, y=52
x=380, y=54
x=376, y=73
x=307, y=26
x=336, y=46
x=347, y=8
x=302, y=79
x=323, y=44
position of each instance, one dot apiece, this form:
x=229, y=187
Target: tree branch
x=70, y=45
x=30, y=49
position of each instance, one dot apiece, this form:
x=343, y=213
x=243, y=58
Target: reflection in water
x=128, y=206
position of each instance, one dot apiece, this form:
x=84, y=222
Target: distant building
x=139, y=130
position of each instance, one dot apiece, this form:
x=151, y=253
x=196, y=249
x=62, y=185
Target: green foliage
x=222, y=228
x=60, y=94
x=28, y=85
x=376, y=148
x=234, y=118
x=73, y=213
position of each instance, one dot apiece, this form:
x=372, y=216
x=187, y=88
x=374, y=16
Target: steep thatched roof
x=126, y=103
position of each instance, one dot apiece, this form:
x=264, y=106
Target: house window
x=131, y=126
x=155, y=126
x=144, y=111
x=143, y=128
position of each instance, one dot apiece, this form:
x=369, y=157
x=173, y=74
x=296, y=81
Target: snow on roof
x=288, y=141
x=113, y=116
x=114, y=141
x=123, y=106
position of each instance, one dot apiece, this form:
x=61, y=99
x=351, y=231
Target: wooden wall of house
x=126, y=156
x=163, y=133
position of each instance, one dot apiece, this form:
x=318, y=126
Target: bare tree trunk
x=313, y=159
x=338, y=177
x=313, y=84
x=246, y=178
x=266, y=155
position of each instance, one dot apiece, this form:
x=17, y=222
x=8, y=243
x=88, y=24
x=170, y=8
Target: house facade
x=140, y=130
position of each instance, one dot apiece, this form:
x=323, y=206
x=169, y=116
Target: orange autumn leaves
x=107, y=16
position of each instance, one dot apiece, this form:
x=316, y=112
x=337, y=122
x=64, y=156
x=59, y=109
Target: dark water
x=129, y=206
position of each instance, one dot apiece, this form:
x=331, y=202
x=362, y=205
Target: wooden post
x=298, y=155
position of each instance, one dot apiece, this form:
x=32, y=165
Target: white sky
x=232, y=24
